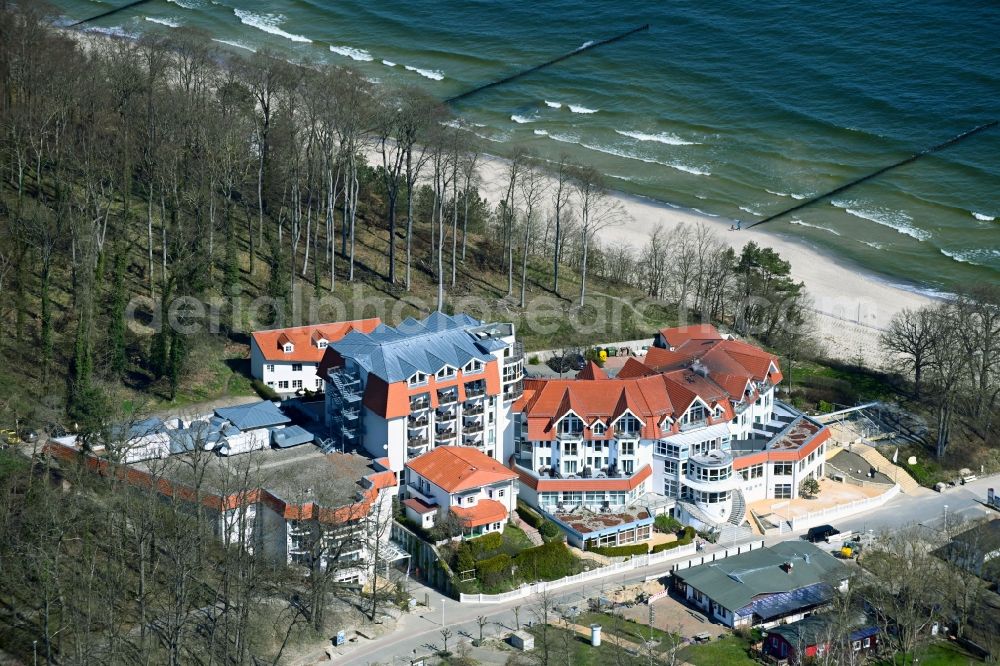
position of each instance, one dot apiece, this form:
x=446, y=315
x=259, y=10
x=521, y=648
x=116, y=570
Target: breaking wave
x=541, y=132
x=554, y=105
x=815, y=226
x=388, y=63
x=268, y=23
x=978, y=256
x=428, y=73
x=520, y=120
x=236, y=44
x=575, y=108
x=354, y=54
x=170, y=23
x=983, y=218
x=662, y=137
x=894, y=219
x=747, y=209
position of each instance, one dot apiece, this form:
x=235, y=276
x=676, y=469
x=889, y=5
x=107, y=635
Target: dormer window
x=696, y=413
x=571, y=425
x=598, y=428
x=628, y=425
x=289, y=347
x=321, y=344
x=445, y=372
x=417, y=378
x=474, y=365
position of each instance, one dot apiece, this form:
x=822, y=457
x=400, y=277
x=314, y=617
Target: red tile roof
x=702, y=366
x=419, y=506
x=485, y=511
x=458, y=468
x=591, y=371
x=304, y=338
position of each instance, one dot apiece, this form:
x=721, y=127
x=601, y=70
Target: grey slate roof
x=254, y=415
x=395, y=354
x=816, y=629
x=735, y=581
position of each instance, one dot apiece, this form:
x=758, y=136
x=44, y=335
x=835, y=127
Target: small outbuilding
x=522, y=640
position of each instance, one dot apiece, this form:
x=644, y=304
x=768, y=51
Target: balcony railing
x=447, y=398
x=417, y=441
x=475, y=391
x=422, y=403
x=473, y=428
x=419, y=422
x=694, y=425
x=473, y=411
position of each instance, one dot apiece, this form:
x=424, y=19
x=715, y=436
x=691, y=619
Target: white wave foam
x=877, y=246
x=617, y=177
x=584, y=45
x=554, y=105
x=576, y=108
x=428, y=73
x=701, y=212
x=541, y=132
x=799, y=196
x=354, y=54
x=747, y=209
x=170, y=23
x=113, y=31
x=662, y=137
x=268, y=23
x=236, y=44
x=983, y=218
x=520, y=120
x=186, y=4
x=388, y=63
x=815, y=226
x=977, y=256
x=630, y=156
x=894, y=219
x=777, y=194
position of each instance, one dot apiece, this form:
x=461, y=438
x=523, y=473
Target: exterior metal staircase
x=345, y=411
x=739, y=514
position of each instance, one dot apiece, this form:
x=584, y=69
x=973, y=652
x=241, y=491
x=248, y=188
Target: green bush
x=485, y=545
x=464, y=560
x=264, y=391
x=667, y=523
x=549, y=530
x=621, y=551
x=529, y=516
x=494, y=572
x=533, y=360
x=546, y=562
x=682, y=540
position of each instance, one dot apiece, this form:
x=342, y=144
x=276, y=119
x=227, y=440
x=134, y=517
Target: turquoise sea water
x=734, y=109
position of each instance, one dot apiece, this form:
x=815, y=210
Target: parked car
x=29, y=436
x=821, y=533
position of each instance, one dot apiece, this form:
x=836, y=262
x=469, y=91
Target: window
x=670, y=467
x=868, y=642
x=502, y=492
x=289, y=347
x=446, y=371
x=296, y=367
x=474, y=365
x=322, y=344
x=783, y=491
x=661, y=447
x=628, y=425
x=270, y=367
x=270, y=383
x=696, y=413
x=417, y=378
x=283, y=384
x=597, y=428
x=626, y=448
x=319, y=383
x=571, y=425
x=570, y=466
x=782, y=469
x=296, y=383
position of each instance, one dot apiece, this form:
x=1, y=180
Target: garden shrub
x=546, y=562
x=464, y=560
x=682, y=540
x=486, y=544
x=549, y=530
x=621, y=551
x=667, y=523
x=492, y=573
x=529, y=516
x=264, y=391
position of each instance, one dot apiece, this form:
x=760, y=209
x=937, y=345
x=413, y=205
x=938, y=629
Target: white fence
x=637, y=562
x=834, y=512
x=712, y=556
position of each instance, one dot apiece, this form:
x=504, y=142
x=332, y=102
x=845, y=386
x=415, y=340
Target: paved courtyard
x=831, y=494
x=672, y=614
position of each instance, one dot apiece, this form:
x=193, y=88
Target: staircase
x=532, y=534
x=906, y=482
x=733, y=533
x=739, y=514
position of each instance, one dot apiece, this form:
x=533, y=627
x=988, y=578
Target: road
x=419, y=635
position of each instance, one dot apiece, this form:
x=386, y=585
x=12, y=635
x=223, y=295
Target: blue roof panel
x=254, y=415
x=291, y=436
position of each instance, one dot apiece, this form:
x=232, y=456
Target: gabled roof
x=271, y=343
x=680, y=334
x=395, y=354
x=735, y=582
x=592, y=371
x=458, y=468
x=254, y=415
x=485, y=511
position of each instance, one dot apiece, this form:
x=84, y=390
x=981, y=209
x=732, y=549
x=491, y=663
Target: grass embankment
x=730, y=650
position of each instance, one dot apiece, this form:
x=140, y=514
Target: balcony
x=472, y=438
x=694, y=425
x=472, y=428
x=413, y=491
x=449, y=397
x=417, y=404
x=446, y=438
x=475, y=391
x=473, y=411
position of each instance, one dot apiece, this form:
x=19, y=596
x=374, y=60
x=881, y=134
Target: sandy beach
x=851, y=305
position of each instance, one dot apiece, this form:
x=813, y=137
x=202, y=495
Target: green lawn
x=515, y=540
x=566, y=646
x=941, y=654
x=726, y=651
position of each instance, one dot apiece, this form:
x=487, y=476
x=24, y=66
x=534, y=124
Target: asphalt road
x=419, y=635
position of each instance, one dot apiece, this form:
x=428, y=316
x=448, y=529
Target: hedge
x=529, y=516
x=264, y=391
x=488, y=543
x=547, y=562
x=492, y=573
x=621, y=551
x=667, y=523
x=684, y=540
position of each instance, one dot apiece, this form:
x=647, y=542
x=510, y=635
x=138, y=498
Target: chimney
x=787, y=567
